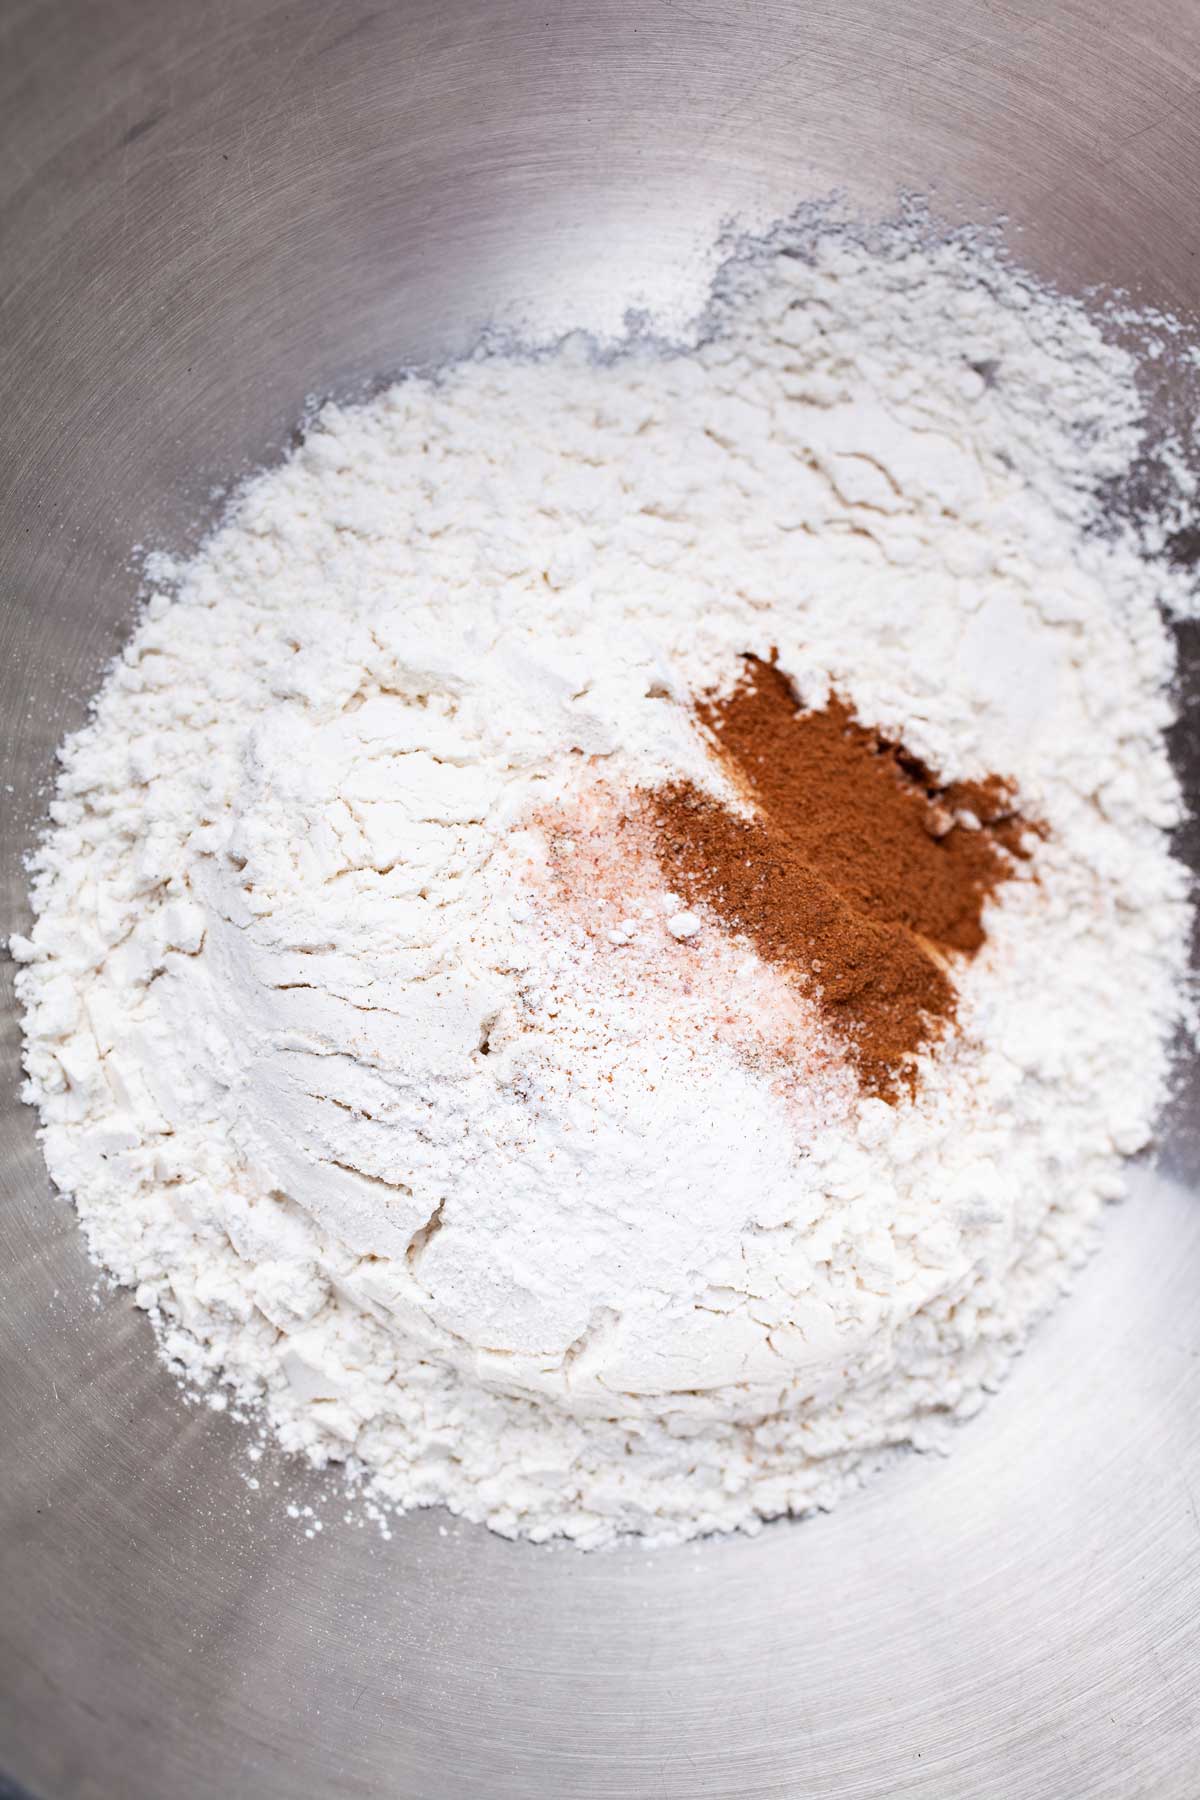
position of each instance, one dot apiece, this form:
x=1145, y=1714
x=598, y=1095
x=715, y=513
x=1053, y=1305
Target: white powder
x=439, y=1152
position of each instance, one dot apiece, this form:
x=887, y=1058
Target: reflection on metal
x=208, y=214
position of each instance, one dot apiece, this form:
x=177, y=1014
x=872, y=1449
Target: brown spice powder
x=856, y=873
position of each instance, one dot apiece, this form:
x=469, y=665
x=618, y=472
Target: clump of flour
x=538, y=1197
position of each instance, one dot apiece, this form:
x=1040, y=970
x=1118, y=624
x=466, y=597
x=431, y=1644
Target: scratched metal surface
x=209, y=210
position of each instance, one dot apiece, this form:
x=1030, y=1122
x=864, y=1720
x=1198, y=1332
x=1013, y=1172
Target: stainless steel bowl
x=209, y=211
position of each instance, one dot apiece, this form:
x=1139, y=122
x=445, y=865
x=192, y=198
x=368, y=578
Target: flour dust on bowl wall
x=610, y=934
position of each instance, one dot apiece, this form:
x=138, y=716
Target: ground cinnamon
x=858, y=872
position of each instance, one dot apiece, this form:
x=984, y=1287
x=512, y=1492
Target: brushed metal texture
x=211, y=210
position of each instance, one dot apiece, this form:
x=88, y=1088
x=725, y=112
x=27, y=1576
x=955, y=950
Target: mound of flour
x=448, y=1170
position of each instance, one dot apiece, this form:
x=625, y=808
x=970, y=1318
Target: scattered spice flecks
x=597, y=875
x=856, y=871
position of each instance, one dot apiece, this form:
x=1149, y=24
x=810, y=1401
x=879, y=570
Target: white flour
x=446, y=1174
